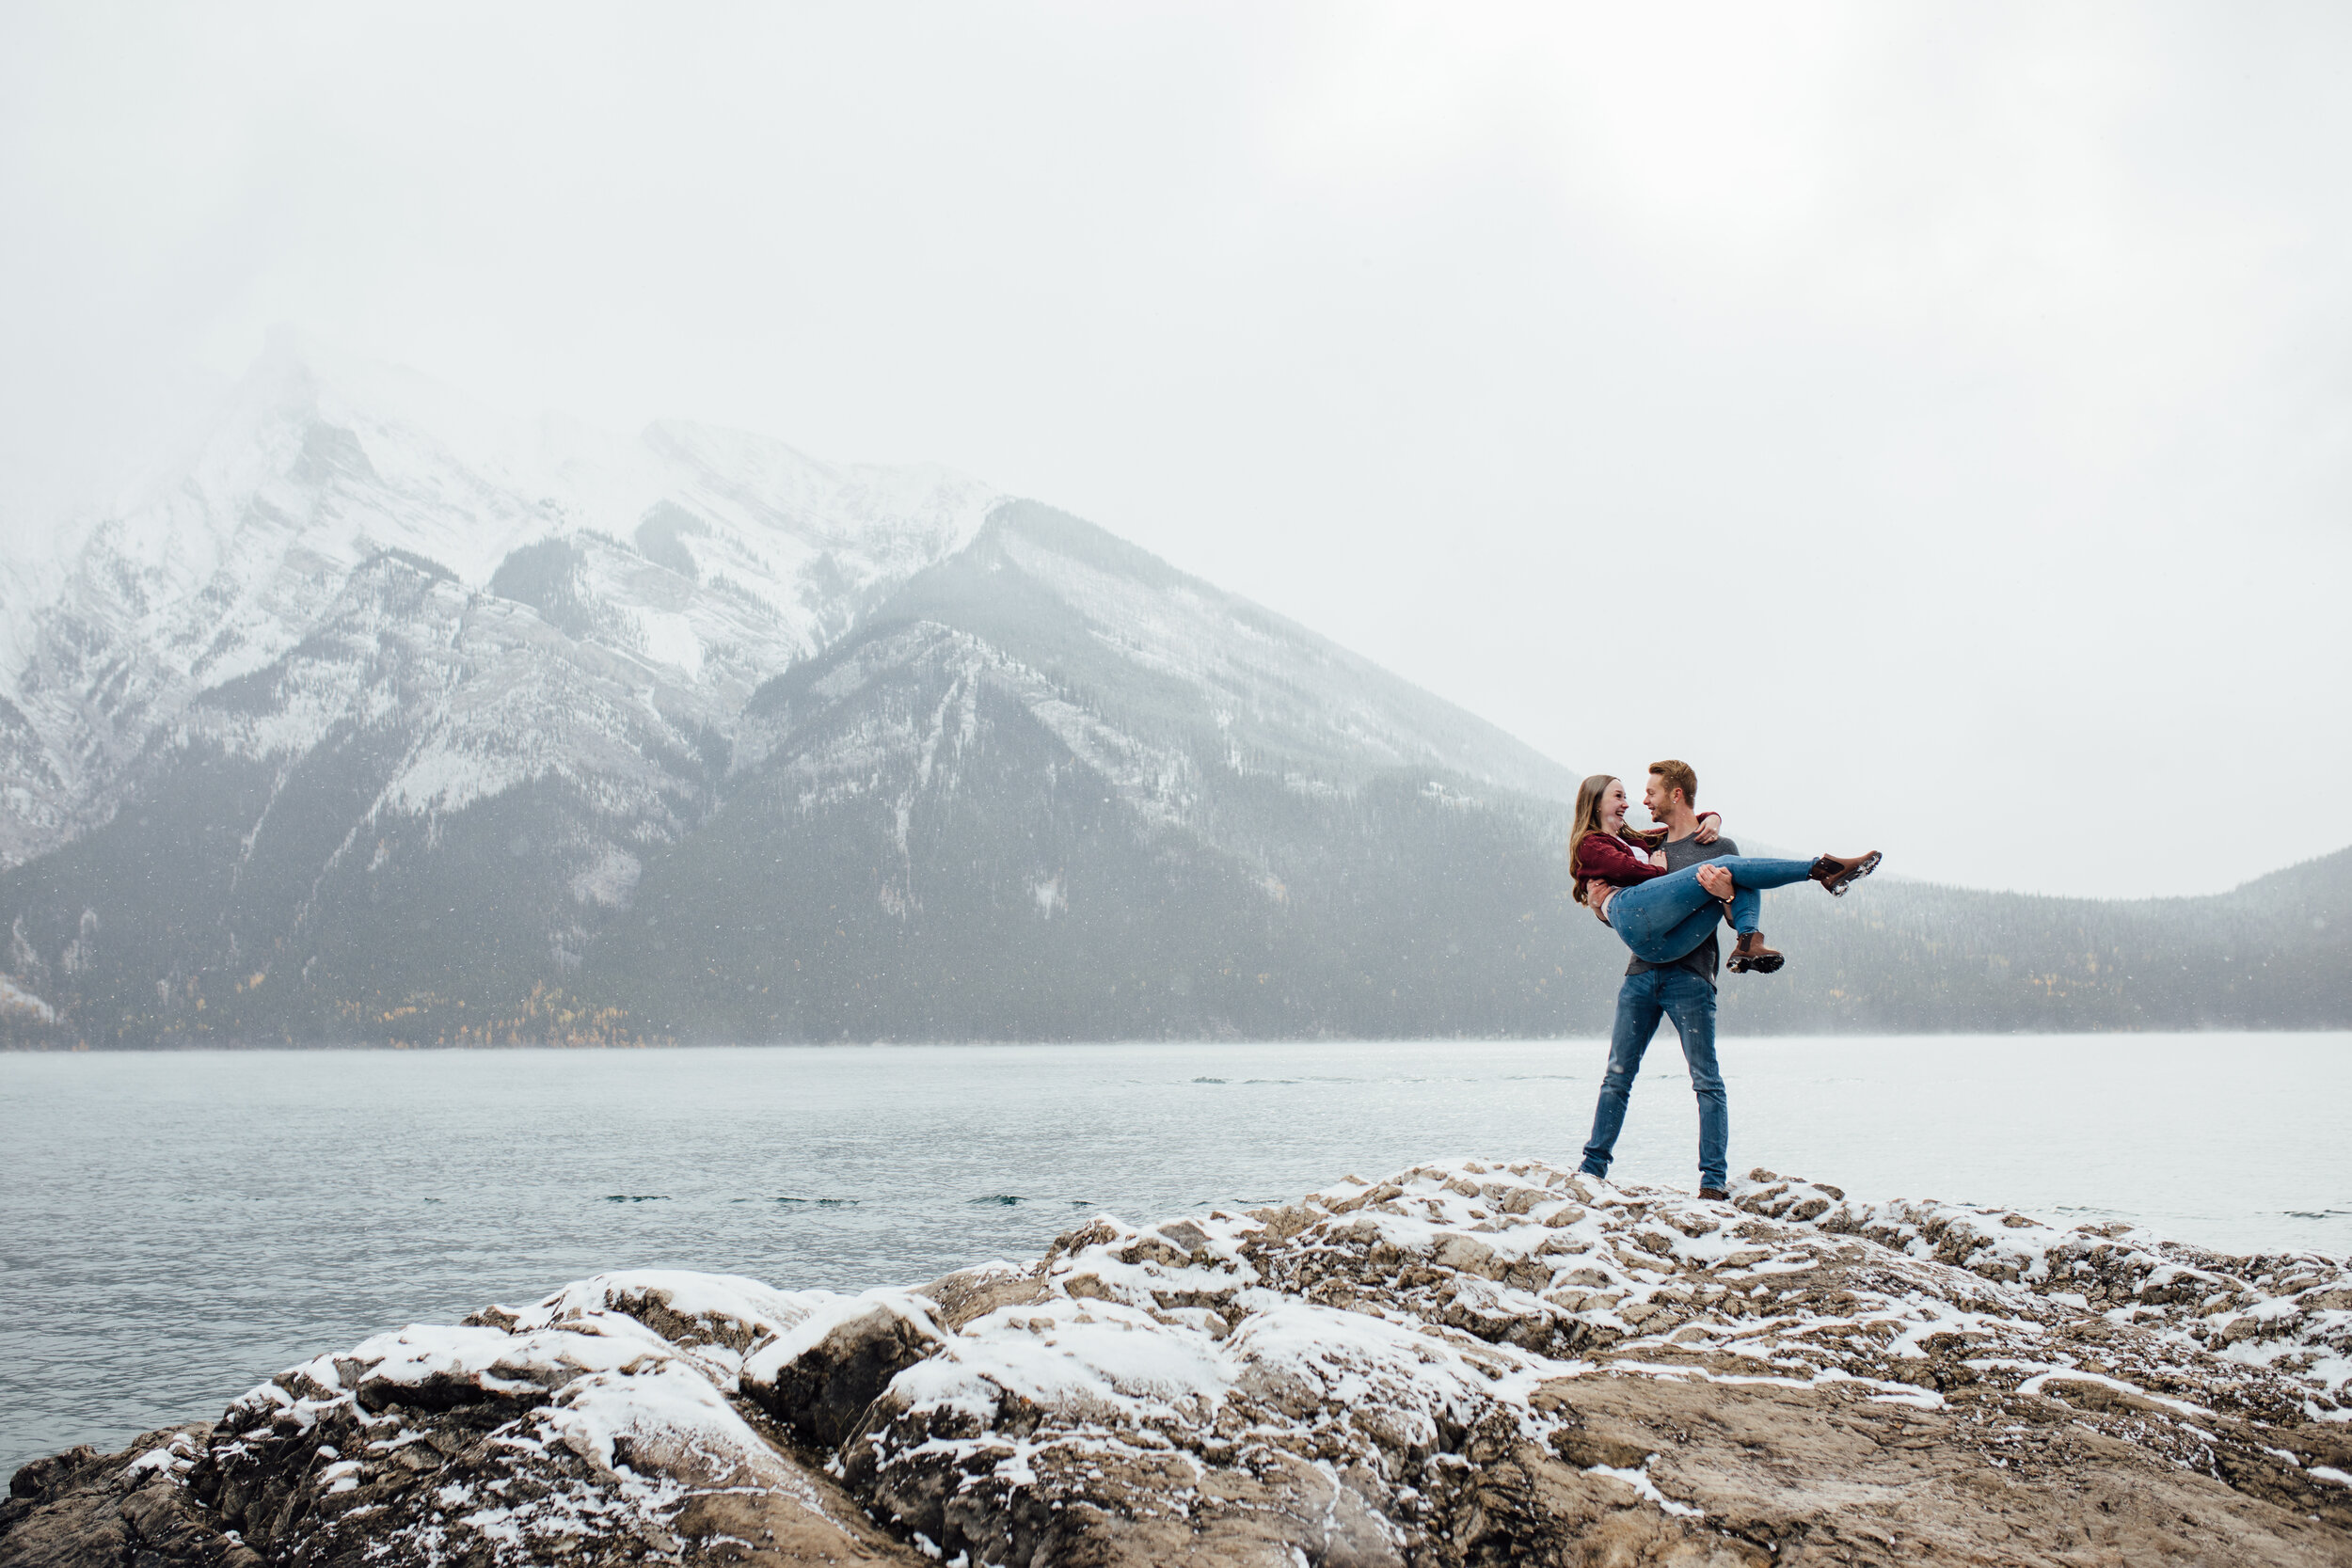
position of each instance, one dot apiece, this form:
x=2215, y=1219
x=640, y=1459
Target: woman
x=1662, y=914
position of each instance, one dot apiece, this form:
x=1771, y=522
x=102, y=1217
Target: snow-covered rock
x=1465, y=1363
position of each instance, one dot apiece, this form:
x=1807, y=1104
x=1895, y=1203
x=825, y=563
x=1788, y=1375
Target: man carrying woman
x=1663, y=892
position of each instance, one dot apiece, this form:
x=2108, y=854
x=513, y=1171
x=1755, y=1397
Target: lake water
x=174, y=1227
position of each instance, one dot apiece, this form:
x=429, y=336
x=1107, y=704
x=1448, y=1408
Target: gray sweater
x=1701, y=961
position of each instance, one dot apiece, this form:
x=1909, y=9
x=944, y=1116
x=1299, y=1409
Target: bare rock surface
x=1464, y=1364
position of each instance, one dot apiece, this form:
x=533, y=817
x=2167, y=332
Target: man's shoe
x=1839, y=872
x=1749, y=952
x=1714, y=1195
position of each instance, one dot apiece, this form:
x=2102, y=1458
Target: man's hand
x=1710, y=827
x=1716, y=881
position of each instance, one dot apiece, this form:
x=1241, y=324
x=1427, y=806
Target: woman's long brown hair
x=1587, y=821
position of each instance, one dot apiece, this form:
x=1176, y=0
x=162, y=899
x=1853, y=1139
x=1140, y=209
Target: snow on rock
x=1465, y=1363
x=2290, y=1312
x=602, y=1416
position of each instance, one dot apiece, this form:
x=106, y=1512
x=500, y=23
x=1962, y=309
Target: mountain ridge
x=392, y=722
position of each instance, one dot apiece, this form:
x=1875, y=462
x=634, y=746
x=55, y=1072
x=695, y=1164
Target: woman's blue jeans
x=1666, y=917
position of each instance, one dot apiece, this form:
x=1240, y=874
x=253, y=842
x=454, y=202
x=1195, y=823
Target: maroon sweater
x=1621, y=862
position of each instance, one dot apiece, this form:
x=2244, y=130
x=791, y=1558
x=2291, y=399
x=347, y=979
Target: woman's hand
x=1710, y=827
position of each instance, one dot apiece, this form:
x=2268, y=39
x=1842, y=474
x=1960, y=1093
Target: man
x=1683, y=990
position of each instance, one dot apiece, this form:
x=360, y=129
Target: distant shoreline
x=38, y=1047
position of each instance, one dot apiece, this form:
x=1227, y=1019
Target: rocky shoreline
x=1462, y=1364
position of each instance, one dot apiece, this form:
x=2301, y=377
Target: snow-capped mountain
x=373, y=711
x=707, y=560
x=371, y=715
x=1054, y=787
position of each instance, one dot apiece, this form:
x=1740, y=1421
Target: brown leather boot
x=1839, y=872
x=1749, y=952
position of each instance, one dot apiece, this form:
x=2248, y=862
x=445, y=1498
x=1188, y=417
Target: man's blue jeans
x=1666, y=917
x=1641, y=1001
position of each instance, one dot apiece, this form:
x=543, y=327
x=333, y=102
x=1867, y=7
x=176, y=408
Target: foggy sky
x=1932, y=423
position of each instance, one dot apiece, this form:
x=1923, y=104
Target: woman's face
x=1613, y=804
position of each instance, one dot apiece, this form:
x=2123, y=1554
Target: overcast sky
x=1934, y=424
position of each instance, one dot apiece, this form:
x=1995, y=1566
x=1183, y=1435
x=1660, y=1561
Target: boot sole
x=1861, y=868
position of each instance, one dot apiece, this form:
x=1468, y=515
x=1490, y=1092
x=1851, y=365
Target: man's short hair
x=1678, y=775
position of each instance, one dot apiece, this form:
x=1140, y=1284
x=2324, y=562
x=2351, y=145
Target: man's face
x=1656, y=798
